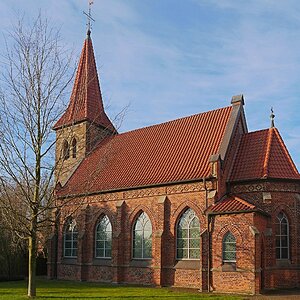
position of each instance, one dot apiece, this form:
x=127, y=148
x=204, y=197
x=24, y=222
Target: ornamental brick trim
x=266, y=187
x=140, y=193
x=248, y=188
x=185, y=188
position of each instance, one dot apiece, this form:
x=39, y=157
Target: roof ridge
x=174, y=120
x=256, y=131
x=88, y=43
x=267, y=155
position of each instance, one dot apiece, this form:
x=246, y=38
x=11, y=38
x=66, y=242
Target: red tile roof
x=178, y=150
x=231, y=204
x=263, y=154
x=86, y=100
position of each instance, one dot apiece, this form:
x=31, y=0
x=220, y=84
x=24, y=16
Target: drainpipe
x=206, y=192
x=208, y=252
x=208, y=234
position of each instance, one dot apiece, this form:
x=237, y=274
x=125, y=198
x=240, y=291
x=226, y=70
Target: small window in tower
x=66, y=150
x=74, y=148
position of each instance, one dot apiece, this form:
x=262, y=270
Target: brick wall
x=273, y=197
x=164, y=206
x=163, y=210
x=242, y=278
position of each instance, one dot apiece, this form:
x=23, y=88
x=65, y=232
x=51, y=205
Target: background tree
x=34, y=78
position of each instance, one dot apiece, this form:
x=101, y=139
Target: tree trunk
x=32, y=262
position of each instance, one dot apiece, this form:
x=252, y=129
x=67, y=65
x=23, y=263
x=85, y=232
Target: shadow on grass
x=114, y=297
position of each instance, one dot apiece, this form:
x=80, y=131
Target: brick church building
x=194, y=202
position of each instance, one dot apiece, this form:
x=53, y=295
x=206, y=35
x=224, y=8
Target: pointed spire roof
x=86, y=100
x=263, y=154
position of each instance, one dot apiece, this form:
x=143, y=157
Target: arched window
x=142, y=237
x=103, y=238
x=188, y=236
x=70, y=239
x=74, y=148
x=66, y=150
x=229, y=248
x=282, y=236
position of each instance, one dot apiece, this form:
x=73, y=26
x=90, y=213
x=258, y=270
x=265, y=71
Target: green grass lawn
x=53, y=289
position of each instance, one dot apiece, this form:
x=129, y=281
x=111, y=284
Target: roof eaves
x=136, y=187
x=249, y=180
x=245, y=211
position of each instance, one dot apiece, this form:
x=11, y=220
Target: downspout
x=208, y=235
x=206, y=192
x=208, y=252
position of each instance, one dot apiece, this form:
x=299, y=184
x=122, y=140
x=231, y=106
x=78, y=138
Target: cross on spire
x=89, y=18
x=272, y=117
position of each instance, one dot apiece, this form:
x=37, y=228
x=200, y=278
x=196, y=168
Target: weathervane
x=272, y=117
x=89, y=18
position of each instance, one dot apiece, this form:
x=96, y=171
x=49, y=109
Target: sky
x=168, y=59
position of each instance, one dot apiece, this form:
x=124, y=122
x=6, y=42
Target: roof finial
x=272, y=117
x=89, y=18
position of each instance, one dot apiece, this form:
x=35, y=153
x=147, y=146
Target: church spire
x=86, y=100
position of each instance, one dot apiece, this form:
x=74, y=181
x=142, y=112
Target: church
x=195, y=202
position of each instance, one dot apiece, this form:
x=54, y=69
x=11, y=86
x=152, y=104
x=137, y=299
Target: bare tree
x=34, y=79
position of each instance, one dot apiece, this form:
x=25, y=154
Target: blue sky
x=173, y=58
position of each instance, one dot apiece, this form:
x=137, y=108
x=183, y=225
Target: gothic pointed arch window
x=142, y=237
x=282, y=236
x=74, y=147
x=103, y=240
x=188, y=236
x=70, y=239
x=229, y=248
x=66, y=150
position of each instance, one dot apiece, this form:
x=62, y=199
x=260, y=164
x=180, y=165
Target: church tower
x=84, y=123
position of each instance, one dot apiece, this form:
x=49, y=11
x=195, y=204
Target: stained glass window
x=229, y=248
x=188, y=236
x=70, y=239
x=103, y=240
x=282, y=236
x=142, y=237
